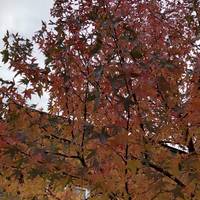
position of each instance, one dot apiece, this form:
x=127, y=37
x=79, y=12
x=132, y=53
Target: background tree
x=123, y=79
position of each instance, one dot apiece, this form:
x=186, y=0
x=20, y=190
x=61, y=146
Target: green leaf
x=11, y=151
x=34, y=172
x=5, y=55
x=136, y=54
x=20, y=162
x=91, y=154
x=133, y=165
x=48, y=60
x=129, y=34
x=33, y=105
x=24, y=80
x=93, y=14
x=166, y=63
x=189, y=18
x=91, y=96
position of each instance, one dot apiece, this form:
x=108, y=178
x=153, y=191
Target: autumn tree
x=123, y=114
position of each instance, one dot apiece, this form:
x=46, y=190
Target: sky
x=24, y=17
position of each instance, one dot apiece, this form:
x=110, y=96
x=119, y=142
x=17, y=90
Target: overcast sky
x=24, y=17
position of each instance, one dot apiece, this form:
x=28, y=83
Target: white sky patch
x=177, y=146
x=23, y=16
